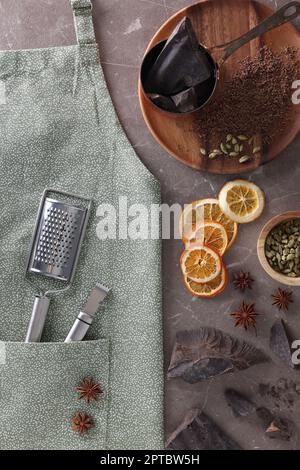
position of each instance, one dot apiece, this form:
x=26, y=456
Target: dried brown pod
x=208, y=352
x=274, y=426
x=279, y=343
x=239, y=403
x=199, y=432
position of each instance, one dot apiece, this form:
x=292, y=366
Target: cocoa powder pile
x=256, y=100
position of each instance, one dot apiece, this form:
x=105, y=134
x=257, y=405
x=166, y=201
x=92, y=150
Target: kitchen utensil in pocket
x=55, y=248
x=86, y=315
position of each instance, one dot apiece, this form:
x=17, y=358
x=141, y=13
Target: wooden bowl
x=290, y=281
x=218, y=22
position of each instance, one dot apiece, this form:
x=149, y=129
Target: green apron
x=59, y=129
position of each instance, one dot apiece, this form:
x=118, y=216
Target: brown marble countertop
x=123, y=29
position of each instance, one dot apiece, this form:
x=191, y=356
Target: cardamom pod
x=244, y=159
x=224, y=149
x=213, y=155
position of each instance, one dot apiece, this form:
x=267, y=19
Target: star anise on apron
x=282, y=299
x=89, y=390
x=82, y=422
x=245, y=316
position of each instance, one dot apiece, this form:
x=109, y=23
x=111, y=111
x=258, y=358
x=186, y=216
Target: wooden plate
x=217, y=22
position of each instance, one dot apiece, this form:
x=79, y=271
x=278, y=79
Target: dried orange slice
x=242, y=201
x=208, y=289
x=211, y=234
x=201, y=264
x=191, y=216
x=205, y=210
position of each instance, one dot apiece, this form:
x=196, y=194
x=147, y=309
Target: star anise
x=82, y=422
x=242, y=281
x=245, y=316
x=89, y=390
x=282, y=299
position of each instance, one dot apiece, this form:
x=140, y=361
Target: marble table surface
x=123, y=29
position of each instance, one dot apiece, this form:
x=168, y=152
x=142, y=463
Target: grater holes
x=58, y=239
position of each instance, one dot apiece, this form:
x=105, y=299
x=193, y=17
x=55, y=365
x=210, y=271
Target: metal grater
x=58, y=236
x=55, y=248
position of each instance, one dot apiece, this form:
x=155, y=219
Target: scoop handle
x=286, y=13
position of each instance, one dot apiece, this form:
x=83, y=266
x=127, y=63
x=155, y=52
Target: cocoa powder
x=256, y=100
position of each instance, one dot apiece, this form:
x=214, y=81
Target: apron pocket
x=38, y=396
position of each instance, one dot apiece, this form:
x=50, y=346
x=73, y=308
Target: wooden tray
x=217, y=22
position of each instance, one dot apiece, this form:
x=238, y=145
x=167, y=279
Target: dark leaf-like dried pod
x=274, y=426
x=199, y=432
x=279, y=343
x=208, y=352
x=239, y=403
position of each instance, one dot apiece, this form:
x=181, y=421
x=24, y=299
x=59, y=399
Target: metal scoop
x=55, y=247
x=194, y=98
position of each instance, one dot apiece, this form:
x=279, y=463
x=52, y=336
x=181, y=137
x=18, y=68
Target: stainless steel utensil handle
x=37, y=320
x=286, y=13
x=79, y=328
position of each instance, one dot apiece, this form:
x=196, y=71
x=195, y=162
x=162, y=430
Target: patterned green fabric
x=59, y=129
x=45, y=371
x=83, y=21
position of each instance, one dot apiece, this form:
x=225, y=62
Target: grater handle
x=37, y=320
